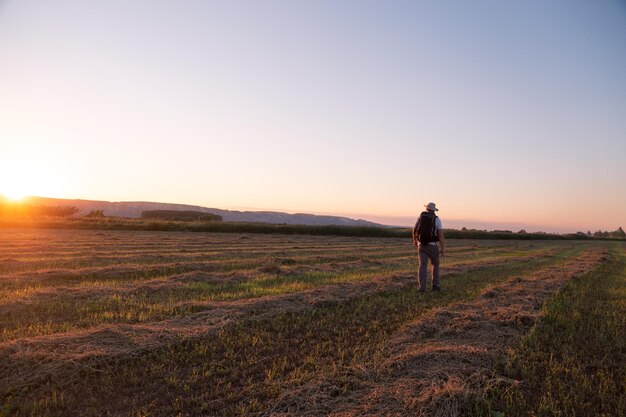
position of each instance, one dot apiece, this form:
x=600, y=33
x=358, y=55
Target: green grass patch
x=573, y=363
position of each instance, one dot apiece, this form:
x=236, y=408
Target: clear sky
x=505, y=113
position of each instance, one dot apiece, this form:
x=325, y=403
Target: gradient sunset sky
x=507, y=114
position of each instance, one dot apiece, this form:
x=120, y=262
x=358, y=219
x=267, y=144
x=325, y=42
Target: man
x=426, y=233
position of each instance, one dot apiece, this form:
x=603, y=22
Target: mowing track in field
x=437, y=362
x=215, y=325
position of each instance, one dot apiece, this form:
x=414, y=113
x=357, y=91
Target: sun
x=21, y=179
x=14, y=195
x=15, y=186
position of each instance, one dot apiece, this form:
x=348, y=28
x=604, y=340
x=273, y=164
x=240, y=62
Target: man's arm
x=441, y=241
x=415, y=233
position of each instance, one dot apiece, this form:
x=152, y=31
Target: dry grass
x=433, y=365
x=572, y=362
x=167, y=323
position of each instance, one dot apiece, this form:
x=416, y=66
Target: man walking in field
x=426, y=233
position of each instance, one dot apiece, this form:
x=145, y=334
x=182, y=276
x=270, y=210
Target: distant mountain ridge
x=134, y=208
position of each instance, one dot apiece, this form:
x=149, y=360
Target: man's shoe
x=422, y=290
x=436, y=289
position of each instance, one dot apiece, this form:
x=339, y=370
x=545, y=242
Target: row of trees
x=616, y=233
x=20, y=210
x=619, y=232
x=181, y=215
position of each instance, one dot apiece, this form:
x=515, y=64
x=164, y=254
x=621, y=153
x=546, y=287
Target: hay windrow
x=58, y=353
x=31, y=307
x=434, y=364
x=160, y=287
x=203, y=271
x=134, y=315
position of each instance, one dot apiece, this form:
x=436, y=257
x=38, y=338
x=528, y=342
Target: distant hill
x=134, y=208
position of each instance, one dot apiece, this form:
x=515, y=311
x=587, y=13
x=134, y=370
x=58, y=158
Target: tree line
x=616, y=233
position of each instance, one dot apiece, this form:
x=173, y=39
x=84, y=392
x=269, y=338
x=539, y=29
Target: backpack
x=427, y=228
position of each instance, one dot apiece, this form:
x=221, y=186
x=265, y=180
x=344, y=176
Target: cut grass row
x=67, y=310
x=125, y=270
x=181, y=248
x=67, y=251
x=126, y=274
x=131, y=257
x=243, y=369
x=574, y=362
x=239, y=259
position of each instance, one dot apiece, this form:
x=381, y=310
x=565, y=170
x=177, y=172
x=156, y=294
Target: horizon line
x=382, y=220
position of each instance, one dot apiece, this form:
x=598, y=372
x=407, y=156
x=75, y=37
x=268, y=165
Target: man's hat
x=431, y=206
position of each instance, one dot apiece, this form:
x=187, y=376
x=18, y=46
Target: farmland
x=150, y=323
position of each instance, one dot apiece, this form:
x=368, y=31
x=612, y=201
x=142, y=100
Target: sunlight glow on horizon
x=14, y=197
x=22, y=178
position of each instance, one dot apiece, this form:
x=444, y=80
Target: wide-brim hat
x=431, y=206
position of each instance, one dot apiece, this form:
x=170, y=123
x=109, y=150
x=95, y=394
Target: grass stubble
x=264, y=359
x=573, y=363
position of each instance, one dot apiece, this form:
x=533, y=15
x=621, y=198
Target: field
x=150, y=323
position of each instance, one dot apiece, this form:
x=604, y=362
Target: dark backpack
x=427, y=228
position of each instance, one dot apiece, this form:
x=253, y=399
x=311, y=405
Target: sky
x=507, y=114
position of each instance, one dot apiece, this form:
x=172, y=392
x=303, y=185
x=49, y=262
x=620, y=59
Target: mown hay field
x=139, y=323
